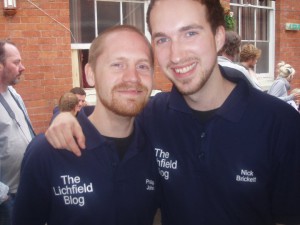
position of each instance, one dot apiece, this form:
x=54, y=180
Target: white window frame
x=265, y=78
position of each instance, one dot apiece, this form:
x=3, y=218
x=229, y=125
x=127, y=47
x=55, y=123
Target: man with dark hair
x=227, y=153
x=15, y=127
x=81, y=95
x=228, y=54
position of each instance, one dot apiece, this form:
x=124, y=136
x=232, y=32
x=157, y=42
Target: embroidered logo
x=72, y=190
x=165, y=163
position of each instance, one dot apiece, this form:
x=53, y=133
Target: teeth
x=185, y=69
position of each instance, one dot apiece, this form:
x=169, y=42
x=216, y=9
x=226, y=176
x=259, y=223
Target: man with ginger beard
x=227, y=153
x=115, y=180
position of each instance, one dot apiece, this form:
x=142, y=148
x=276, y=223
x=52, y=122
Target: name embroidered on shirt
x=71, y=186
x=164, y=162
x=150, y=185
x=246, y=176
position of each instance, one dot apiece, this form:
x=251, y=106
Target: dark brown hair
x=214, y=13
x=2, y=50
x=232, y=44
x=78, y=91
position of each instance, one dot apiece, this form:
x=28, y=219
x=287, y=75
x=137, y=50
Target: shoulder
x=272, y=107
x=14, y=92
x=160, y=100
x=39, y=148
x=235, y=66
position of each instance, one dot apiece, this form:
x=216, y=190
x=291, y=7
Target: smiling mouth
x=185, y=69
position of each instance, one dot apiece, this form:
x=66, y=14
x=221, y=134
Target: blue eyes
x=187, y=34
x=117, y=65
x=162, y=40
x=191, y=33
x=143, y=67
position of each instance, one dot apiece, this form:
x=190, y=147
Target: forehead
x=125, y=39
x=171, y=15
x=80, y=97
x=125, y=45
x=11, y=52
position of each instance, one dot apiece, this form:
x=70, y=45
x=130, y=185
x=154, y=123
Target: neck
x=110, y=124
x=213, y=94
x=3, y=88
x=228, y=57
x=245, y=64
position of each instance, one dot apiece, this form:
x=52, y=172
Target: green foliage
x=229, y=21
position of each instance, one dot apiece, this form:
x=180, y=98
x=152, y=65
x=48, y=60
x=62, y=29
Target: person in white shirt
x=15, y=128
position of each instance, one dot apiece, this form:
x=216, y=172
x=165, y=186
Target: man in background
x=68, y=103
x=15, y=128
x=81, y=96
x=249, y=56
x=229, y=54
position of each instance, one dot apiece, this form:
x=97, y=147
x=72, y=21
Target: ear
x=220, y=38
x=90, y=76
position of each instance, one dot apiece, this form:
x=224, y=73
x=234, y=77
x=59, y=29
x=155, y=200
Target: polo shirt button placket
x=201, y=154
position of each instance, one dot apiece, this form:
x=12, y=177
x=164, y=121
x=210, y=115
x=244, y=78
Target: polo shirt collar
x=232, y=109
x=95, y=140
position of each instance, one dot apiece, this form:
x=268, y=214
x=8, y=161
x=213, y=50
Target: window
x=90, y=17
x=255, y=22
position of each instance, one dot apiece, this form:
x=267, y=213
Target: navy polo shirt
x=60, y=188
x=241, y=167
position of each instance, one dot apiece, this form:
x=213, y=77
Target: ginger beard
x=126, y=104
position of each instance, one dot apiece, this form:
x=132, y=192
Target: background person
x=281, y=85
x=15, y=127
x=68, y=103
x=229, y=52
x=295, y=103
x=3, y=192
x=81, y=96
x=116, y=179
x=227, y=153
x=249, y=56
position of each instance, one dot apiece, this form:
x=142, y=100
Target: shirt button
x=201, y=155
x=202, y=135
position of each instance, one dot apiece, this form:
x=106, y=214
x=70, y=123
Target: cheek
x=162, y=56
x=148, y=81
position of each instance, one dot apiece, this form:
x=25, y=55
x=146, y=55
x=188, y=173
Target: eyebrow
x=190, y=27
x=182, y=29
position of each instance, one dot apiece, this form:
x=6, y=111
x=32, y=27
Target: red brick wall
x=45, y=49
x=288, y=42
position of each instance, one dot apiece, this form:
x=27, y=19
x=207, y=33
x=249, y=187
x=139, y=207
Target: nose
x=176, y=52
x=21, y=67
x=131, y=75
